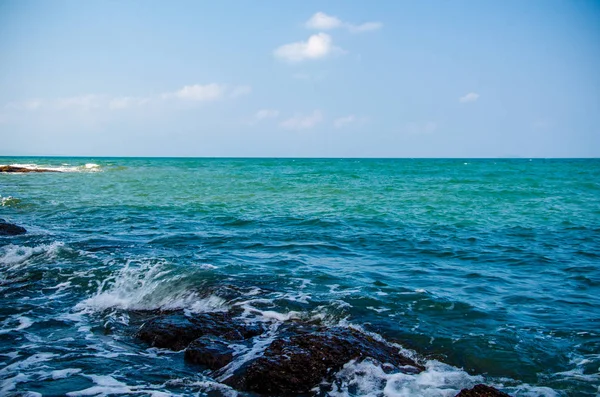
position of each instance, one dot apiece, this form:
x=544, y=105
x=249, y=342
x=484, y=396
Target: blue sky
x=320, y=79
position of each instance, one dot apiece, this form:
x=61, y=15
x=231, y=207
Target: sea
x=487, y=270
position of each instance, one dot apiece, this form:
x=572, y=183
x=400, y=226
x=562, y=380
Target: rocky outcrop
x=299, y=363
x=481, y=391
x=9, y=229
x=297, y=360
x=12, y=168
x=176, y=331
x=292, y=358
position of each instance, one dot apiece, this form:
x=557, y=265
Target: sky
x=300, y=78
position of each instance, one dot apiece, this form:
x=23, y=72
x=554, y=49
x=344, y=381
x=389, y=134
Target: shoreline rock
x=294, y=360
x=13, y=169
x=481, y=391
x=9, y=229
x=298, y=359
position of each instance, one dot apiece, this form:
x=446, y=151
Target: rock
x=11, y=168
x=8, y=229
x=177, y=331
x=172, y=332
x=481, y=391
x=299, y=363
x=209, y=351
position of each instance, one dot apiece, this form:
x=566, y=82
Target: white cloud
x=421, y=128
x=347, y=120
x=240, y=90
x=470, y=97
x=84, y=102
x=365, y=27
x=317, y=46
x=266, y=114
x=303, y=122
x=189, y=93
x=322, y=21
x=127, y=102
x=197, y=92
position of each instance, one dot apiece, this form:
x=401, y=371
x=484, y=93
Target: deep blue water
x=489, y=270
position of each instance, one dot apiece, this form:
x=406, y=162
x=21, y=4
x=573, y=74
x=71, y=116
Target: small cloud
x=302, y=122
x=421, y=128
x=365, y=27
x=264, y=114
x=197, y=92
x=317, y=46
x=470, y=97
x=322, y=21
x=85, y=102
x=127, y=102
x=347, y=120
x=240, y=90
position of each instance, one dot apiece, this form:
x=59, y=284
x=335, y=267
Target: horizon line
x=300, y=157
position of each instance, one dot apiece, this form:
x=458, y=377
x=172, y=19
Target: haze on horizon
x=302, y=79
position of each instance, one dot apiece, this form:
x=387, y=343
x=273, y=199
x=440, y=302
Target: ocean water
x=487, y=270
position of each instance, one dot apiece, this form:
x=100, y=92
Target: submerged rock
x=299, y=363
x=481, y=391
x=9, y=229
x=12, y=168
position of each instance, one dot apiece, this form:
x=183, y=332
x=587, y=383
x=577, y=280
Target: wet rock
x=8, y=229
x=299, y=363
x=172, y=332
x=176, y=331
x=209, y=351
x=481, y=391
x=11, y=168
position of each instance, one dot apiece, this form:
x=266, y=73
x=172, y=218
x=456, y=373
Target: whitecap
x=148, y=287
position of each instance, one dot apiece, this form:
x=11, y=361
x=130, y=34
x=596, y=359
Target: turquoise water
x=489, y=270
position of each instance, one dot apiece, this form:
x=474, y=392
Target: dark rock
x=210, y=351
x=8, y=229
x=481, y=391
x=298, y=363
x=176, y=331
x=172, y=332
x=10, y=168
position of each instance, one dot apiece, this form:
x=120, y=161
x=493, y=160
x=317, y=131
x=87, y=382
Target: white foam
x=89, y=167
x=107, y=385
x=8, y=201
x=30, y=361
x=369, y=379
x=260, y=345
x=204, y=386
x=207, y=266
x=24, y=322
x=14, y=256
x=11, y=383
x=148, y=287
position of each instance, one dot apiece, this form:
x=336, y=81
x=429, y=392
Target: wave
x=12, y=256
x=150, y=286
x=88, y=167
